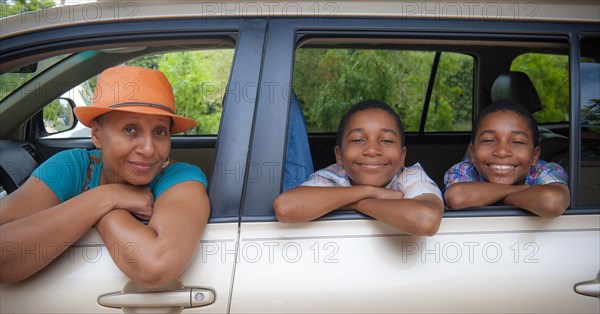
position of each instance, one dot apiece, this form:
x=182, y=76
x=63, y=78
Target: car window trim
x=575, y=118
x=427, y=100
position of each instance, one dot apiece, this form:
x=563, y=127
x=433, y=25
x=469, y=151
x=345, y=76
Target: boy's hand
x=387, y=194
x=377, y=193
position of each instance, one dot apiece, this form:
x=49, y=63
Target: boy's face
x=503, y=148
x=371, y=151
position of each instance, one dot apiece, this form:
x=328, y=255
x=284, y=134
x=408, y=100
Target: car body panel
x=74, y=281
x=477, y=265
x=548, y=10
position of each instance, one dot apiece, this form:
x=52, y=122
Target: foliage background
x=199, y=80
x=19, y=6
x=329, y=81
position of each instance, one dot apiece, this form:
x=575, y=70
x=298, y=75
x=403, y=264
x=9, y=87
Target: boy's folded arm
x=549, y=200
x=416, y=216
x=471, y=194
x=306, y=203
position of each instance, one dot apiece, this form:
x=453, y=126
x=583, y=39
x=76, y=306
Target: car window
x=550, y=76
x=328, y=81
x=434, y=86
x=198, y=78
x=590, y=121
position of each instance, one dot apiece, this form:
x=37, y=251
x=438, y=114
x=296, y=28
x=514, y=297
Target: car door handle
x=187, y=297
x=590, y=288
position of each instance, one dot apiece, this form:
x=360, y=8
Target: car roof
x=586, y=11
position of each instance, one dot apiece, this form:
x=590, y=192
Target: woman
x=128, y=176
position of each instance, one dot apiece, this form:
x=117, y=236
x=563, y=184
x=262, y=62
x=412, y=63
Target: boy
x=504, y=166
x=368, y=176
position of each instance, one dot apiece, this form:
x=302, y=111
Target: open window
x=436, y=86
x=198, y=71
x=198, y=76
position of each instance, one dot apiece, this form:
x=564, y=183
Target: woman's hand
x=137, y=200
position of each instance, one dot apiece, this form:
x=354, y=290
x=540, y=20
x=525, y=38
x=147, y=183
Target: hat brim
x=180, y=124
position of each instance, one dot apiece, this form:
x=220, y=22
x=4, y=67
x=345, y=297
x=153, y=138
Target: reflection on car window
x=590, y=121
x=10, y=81
x=329, y=81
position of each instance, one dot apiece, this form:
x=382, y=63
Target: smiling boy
x=504, y=166
x=368, y=176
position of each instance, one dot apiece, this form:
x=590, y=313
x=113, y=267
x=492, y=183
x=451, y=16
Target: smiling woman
x=129, y=175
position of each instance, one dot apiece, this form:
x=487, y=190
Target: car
x=234, y=67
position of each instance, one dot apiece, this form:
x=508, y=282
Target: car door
x=85, y=279
x=488, y=259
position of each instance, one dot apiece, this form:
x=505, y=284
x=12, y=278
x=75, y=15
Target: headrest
x=518, y=87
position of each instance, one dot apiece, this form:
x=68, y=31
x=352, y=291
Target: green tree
x=199, y=80
x=329, y=81
x=8, y=8
x=57, y=116
x=452, y=99
x=550, y=76
x=11, y=81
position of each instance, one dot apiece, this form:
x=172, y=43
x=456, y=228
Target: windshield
x=11, y=81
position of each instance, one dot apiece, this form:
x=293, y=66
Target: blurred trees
x=548, y=73
x=199, y=79
x=329, y=81
x=19, y=6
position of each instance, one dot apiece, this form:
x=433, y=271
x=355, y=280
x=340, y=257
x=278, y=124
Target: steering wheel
x=17, y=161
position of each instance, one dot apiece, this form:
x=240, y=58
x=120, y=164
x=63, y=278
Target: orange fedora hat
x=134, y=89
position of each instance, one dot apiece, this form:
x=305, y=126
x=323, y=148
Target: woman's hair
x=366, y=105
x=507, y=105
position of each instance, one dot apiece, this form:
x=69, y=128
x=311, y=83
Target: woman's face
x=134, y=146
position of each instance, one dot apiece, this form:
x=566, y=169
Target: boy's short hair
x=507, y=105
x=366, y=105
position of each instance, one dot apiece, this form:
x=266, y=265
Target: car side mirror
x=59, y=116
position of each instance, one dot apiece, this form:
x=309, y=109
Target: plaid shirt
x=412, y=181
x=543, y=173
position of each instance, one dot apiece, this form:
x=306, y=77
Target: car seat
x=298, y=160
x=517, y=86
